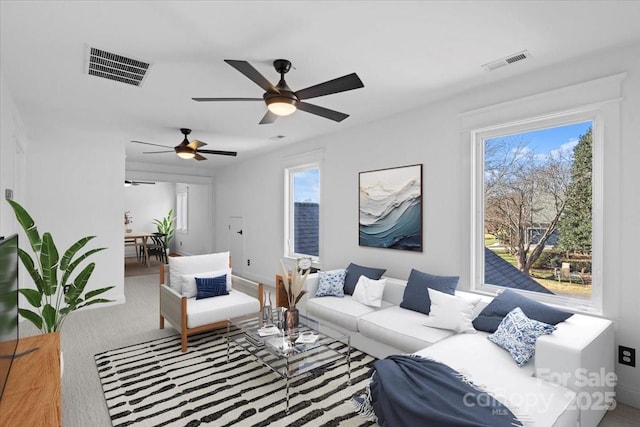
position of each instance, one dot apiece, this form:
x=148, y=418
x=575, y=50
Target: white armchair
x=190, y=315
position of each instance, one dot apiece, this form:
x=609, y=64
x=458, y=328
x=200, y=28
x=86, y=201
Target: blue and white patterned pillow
x=518, y=334
x=331, y=283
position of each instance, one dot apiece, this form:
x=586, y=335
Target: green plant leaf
x=77, y=288
x=32, y=317
x=71, y=267
x=27, y=261
x=95, y=301
x=27, y=224
x=50, y=317
x=95, y=292
x=49, y=264
x=33, y=296
x=73, y=249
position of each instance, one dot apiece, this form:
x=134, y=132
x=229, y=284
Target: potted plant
x=165, y=227
x=53, y=299
x=294, y=288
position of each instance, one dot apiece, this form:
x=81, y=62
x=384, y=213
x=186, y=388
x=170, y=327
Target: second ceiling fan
x=186, y=149
x=282, y=101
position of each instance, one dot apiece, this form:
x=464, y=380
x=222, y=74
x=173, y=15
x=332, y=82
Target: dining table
x=138, y=239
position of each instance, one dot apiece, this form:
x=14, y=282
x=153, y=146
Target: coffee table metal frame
x=281, y=354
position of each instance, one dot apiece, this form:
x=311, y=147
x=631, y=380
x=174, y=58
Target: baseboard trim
x=628, y=395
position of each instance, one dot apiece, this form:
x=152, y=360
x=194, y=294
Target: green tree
x=575, y=224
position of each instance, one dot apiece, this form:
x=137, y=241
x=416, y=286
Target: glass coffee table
x=310, y=348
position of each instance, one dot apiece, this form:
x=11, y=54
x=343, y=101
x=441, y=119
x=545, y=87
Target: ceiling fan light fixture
x=281, y=106
x=185, y=153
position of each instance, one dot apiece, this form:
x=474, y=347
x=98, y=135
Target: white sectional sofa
x=568, y=383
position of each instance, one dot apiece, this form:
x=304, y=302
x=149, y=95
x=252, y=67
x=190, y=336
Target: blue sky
x=546, y=140
x=307, y=186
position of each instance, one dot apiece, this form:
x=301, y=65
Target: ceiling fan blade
x=199, y=157
x=268, y=118
x=321, y=111
x=148, y=143
x=226, y=99
x=254, y=75
x=219, y=152
x=341, y=84
x=157, y=152
x=195, y=144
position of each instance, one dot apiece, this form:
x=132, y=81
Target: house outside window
x=302, y=200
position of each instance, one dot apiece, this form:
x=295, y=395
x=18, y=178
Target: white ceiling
x=406, y=53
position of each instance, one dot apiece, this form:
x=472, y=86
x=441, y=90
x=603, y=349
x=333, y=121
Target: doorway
x=236, y=244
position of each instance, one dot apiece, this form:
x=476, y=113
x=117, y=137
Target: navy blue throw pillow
x=492, y=315
x=354, y=271
x=416, y=295
x=211, y=286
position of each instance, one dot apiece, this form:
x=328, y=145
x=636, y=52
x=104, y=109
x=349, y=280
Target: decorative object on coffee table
x=293, y=286
x=267, y=309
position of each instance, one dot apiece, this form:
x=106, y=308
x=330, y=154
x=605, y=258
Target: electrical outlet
x=248, y=262
x=627, y=356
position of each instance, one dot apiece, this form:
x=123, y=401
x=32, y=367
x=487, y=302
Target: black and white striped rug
x=155, y=384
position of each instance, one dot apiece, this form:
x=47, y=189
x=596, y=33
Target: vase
x=292, y=319
x=267, y=311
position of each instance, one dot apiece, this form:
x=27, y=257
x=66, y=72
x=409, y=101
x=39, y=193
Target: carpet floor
x=155, y=384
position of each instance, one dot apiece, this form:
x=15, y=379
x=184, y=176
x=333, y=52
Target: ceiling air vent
x=506, y=61
x=101, y=63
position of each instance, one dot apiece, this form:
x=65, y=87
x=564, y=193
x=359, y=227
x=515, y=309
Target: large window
x=536, y=210
x=302, y=202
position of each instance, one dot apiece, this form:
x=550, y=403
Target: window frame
x=478, y=136
x=182, y=211
x=289, y=210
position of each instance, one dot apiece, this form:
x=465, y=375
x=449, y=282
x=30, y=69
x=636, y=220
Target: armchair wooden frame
x=177, y=315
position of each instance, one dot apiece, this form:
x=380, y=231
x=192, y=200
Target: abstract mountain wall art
x=391, y=208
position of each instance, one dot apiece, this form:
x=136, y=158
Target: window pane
x=537, y=210
x=306, y=219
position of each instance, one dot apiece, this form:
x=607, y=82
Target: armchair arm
x=171, y=304
x=248, y=287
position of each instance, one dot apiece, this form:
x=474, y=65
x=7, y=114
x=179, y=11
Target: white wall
x=432, y=136
x=13, y=140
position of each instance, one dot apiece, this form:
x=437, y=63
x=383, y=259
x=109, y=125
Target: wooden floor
x=621, y=416
x=133, y=267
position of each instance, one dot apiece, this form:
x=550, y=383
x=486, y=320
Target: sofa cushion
x=213, y=310
x=518, y=334
x=400, y=328
x=331, y=283
x=540, y=401
x=209, y=287
x=343, y=312
x=354, y=271
x=416, y=297
x=451, y=312
x=195, y=264
x=189, y=288
x=369, y=292
x=492, y=315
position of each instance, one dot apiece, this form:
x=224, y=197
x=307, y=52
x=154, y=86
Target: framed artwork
x=391, y=208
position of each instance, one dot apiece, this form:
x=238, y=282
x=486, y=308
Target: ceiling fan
x=130, y=182
x=282, y=101
x=186, y=149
